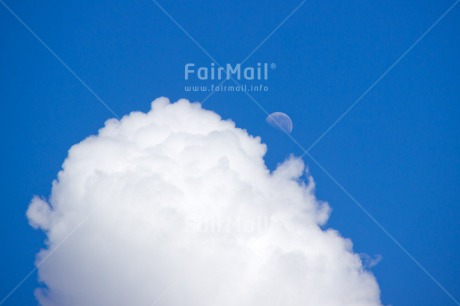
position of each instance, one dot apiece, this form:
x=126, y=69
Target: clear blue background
x=397, y=151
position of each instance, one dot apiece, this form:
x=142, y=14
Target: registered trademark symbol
x=272, y=65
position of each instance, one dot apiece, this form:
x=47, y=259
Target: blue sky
x=395, y=152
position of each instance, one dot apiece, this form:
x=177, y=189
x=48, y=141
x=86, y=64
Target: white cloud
x=370, y=261
x=183, y=211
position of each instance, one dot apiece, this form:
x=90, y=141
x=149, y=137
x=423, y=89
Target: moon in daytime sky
x=280, y=121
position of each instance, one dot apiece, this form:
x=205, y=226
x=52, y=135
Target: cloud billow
x=177, y=207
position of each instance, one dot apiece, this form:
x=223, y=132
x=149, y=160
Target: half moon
x=280, y=121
